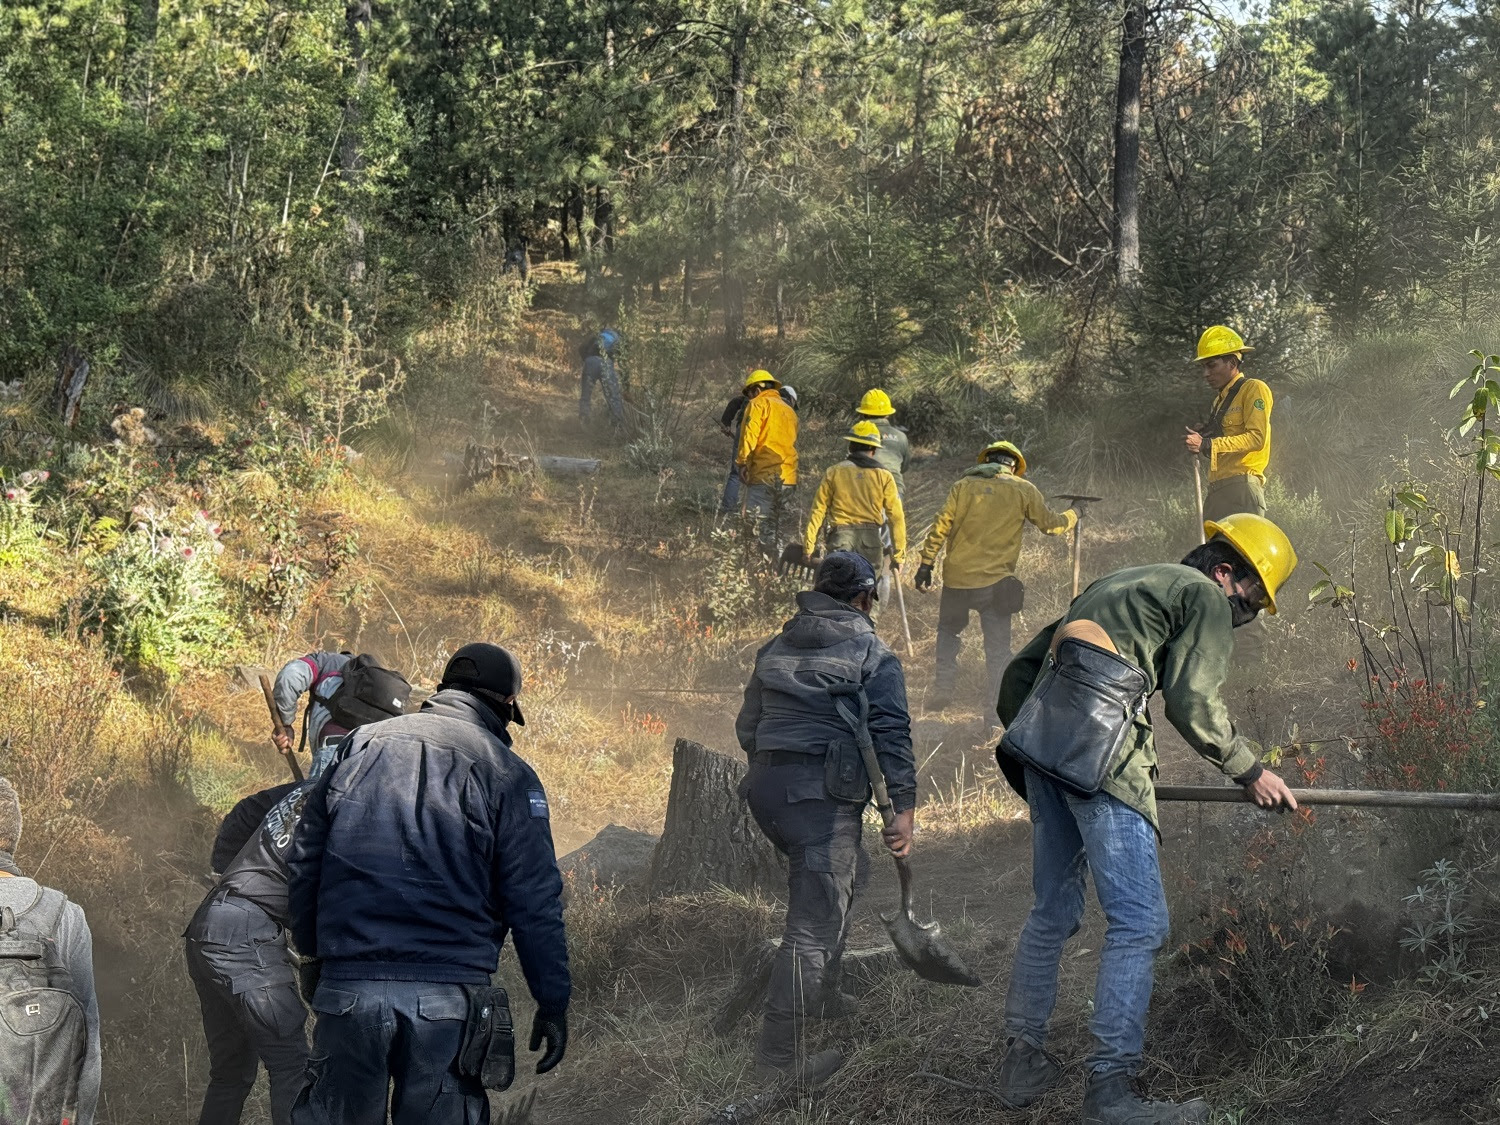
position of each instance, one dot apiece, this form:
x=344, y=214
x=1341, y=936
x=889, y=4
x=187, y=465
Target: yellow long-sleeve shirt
x=768, y=440
x=1245, y=448
x=851, y=493
x=986, y=511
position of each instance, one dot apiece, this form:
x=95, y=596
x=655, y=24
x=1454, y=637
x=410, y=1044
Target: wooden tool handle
x=277, y=726
x=270, y=693
x=1361, y=798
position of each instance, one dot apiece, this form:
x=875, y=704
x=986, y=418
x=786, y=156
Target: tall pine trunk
x=1127, y=170
x=730, y=282
x=357, y=16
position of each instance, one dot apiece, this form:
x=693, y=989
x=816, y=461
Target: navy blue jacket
x=421, y=848
x=787, y=707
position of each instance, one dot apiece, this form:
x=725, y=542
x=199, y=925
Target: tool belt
x=784, y=758
x=1074, y=723
x=858, y=526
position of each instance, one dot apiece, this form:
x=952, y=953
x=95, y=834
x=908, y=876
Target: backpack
x=43, y=1036
x=367, y=692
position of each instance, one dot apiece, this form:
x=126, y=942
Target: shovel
x=1080, y=505
x=920, y=946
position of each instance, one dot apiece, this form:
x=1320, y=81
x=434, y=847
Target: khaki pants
x=1234, y=494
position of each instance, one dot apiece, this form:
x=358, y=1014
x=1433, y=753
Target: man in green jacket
x=1174, y=622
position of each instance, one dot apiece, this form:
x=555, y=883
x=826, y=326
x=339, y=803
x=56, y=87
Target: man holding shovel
x=1169, y=626
x=981, y=523
x=808, y=788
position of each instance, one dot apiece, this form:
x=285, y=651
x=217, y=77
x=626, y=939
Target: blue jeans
x=389, y=1040
x=731, y=498
x=1070, y=835
x=769, y=503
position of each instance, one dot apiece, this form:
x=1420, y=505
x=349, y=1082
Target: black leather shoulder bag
x=1072, y=726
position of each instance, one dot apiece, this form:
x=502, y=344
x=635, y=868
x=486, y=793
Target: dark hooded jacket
x=421, y=848
x=787, y=706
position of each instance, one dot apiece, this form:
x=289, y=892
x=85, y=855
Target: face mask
x=1241, y=612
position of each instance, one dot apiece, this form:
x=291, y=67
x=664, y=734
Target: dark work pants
x=1234, y=494
x=396, y=1042
x=825, y=866
x=239, y=964
x=994, y=604
x=599, y=370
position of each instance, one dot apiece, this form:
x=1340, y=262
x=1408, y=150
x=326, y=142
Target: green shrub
x=20, y=532
x=158, y=602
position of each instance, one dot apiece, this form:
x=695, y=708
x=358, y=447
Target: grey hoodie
x=787, y=706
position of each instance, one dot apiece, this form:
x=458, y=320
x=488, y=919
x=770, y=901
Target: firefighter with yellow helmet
x=981, y=523
x=894, y=454
x=766, y=455
x=1236, y=438
x=856, y=498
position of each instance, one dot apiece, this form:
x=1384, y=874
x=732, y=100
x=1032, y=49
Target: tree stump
x=710, y=837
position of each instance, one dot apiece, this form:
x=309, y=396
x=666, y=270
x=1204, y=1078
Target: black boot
x=1025, y=1074
x=807, y=1073
x=1110, y=1099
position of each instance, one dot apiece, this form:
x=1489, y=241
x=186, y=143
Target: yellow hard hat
x=1262, y=544
x=1220, y=340
x=864, y=433
x=761, y=375
x=876, y=403
x=1003, y=447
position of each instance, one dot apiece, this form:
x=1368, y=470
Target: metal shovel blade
x=924, y=951
x=920, y=944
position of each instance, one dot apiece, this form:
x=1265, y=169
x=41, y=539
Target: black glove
x=554, y=1029
x=923, y=580
x=309, y=972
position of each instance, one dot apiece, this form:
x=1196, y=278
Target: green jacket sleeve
x=1022, y=672
x=1193, y=675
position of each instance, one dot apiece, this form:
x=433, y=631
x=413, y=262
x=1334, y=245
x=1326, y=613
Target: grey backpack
x=43, y=1037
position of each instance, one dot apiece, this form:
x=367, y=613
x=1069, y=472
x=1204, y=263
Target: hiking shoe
x=1025, y=1074
x=811, y=1072
x=1111, y=1099
x=939, y=700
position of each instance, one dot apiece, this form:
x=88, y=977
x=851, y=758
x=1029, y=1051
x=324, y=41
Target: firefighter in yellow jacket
x=766, y=456
x=981, y=522
x=857, y=498
x=1236, y=439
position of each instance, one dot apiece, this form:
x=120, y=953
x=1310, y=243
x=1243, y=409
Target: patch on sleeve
x=538, y=802
x=1260, y=404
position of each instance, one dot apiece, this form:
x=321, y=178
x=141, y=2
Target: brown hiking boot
x=810, y=1073
x=1111, y=1099
x=1025, y=1074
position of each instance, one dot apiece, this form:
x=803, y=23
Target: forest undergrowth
x=143, y=574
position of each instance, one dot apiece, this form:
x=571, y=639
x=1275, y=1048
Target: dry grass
x=600, y=586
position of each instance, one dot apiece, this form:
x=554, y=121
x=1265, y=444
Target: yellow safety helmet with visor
x=1261, y=544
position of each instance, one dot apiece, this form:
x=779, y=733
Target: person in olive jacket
x=1174, y=622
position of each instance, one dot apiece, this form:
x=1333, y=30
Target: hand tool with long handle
x=1198, y=491
x=1078, y=503
x=278, y=725
x=901, y=604
x=920, y=946
x=1364, y=798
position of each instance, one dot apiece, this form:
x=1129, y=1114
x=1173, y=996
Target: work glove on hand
x=309, y=972
x=923, y=580
x=553, y=1027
